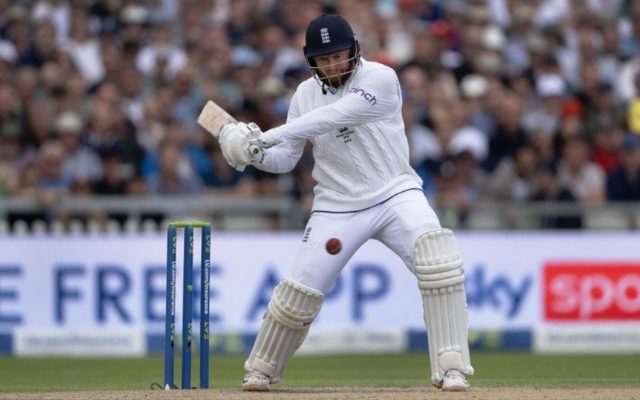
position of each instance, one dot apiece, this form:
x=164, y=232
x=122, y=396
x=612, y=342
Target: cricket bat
x=213, y=117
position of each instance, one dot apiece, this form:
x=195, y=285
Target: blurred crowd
x=504, y=100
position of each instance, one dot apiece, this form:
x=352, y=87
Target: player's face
x=334, y=68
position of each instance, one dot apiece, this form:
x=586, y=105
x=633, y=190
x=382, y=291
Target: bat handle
x=253, y=149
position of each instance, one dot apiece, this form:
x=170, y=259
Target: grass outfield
x=493, y=370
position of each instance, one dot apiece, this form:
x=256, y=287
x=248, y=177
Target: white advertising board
x=118, y=282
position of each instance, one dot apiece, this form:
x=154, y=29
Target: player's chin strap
x=291, y=310
x=438, y=267
x=326, y=88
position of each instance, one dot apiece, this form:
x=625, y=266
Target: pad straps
x=291, y=310
x=438, y=267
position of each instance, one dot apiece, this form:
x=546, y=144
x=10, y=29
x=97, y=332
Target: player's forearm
x=277, y=160
x=348, y=111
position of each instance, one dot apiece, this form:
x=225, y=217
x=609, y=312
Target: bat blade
x=213, y=117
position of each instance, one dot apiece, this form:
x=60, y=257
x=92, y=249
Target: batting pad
x=438, y=267
x=291, y=310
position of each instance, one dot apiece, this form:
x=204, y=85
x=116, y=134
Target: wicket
x=187, y=303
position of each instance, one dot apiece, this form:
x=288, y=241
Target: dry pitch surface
x=522, y=393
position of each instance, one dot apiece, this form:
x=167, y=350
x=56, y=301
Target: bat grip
x=253, y=149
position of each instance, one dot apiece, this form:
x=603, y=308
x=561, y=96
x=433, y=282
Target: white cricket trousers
x=397, y=223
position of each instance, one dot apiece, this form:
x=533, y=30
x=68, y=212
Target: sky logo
x=500, y=292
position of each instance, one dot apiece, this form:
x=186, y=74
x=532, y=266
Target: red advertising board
x=591, y=291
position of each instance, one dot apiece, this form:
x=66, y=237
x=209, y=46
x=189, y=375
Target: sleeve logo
x=366, y=95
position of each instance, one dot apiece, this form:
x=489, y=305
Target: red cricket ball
x=333, y=246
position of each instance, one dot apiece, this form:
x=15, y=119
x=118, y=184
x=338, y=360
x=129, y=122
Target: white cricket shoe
x=454, y=381
x=255, y=381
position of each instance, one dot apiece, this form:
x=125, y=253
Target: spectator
x=418, y=135
x=544, y=117
x=58, y=12
x=427, y=53
x=459, y=184
x=52, y=182
x=579, y=174
x=609, y=61
x=193, y=159
x=75, y=94
x=161, y=59
x=603, y=109
x=26, y=81
x=475, y=89
x=131, y=102
x=509, y=135
x=630, y=31
x=515, y=179
x=174, y=175
x=114, y=175
x=415, y=86
x=272, y=103
x=188, y=98
x=81, y=164
x=494, y=81
x=570, y=125
x=116, y=181
x=114, y=61
x=8, y=52
x=451, y=133
x=522, y=39
x=607, y=139
x=633, y=109
x=84, y=49
x=17, y=30
x=623, y=183
x=11, y=124
x=43, y=48
x=39, y=120
x=108, y=129
x=550, y=189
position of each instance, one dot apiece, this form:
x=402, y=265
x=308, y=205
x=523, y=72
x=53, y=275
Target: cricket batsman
x=350, y=111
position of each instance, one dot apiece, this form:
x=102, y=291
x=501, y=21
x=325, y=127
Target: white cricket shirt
x=360, y=148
